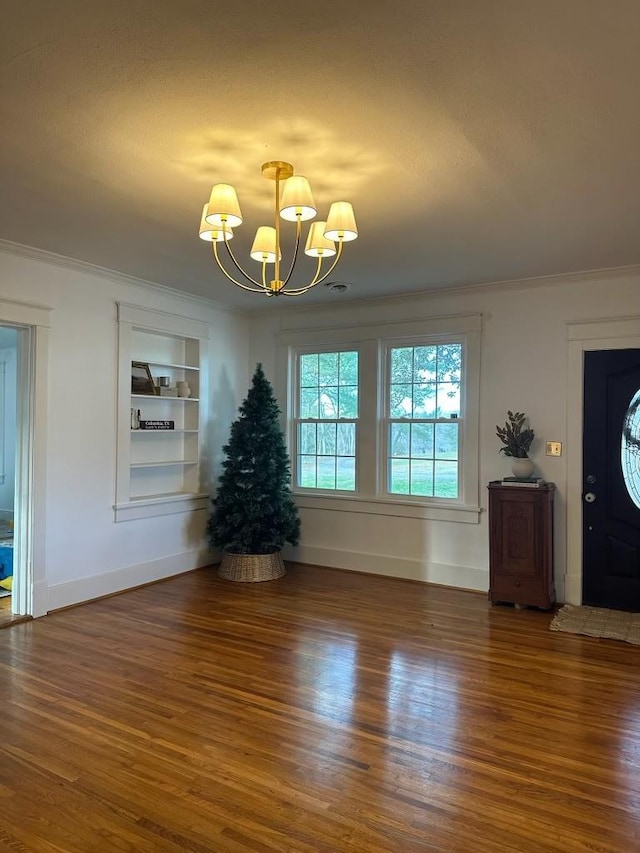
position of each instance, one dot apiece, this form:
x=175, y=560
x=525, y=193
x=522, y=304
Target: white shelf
x=164, y=431
x=164, y=464
x=168, y=365
x=167, y=497
x=159, y=397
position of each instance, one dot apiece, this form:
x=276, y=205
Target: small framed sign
x=141, y=378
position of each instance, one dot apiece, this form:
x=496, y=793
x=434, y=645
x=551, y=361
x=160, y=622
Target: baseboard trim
x=443, y=574
x=87, y=589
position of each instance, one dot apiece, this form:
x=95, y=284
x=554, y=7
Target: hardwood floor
x=325, y=712
x=6, y=616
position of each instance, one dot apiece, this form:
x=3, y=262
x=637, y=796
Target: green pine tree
x=253, y=511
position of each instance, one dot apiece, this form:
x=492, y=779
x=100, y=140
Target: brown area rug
x=598, y=622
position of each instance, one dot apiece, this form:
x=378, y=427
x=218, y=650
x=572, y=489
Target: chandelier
x=295, y=204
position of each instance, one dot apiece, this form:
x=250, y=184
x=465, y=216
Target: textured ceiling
x=479, y=140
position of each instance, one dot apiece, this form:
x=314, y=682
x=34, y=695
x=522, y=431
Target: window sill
x=462, y=513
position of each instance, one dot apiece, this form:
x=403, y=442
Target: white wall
x=86, y=553
x=524, y=367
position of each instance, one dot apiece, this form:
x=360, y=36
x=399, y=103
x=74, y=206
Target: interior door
x=611, y=479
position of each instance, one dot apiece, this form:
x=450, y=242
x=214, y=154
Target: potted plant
x=517, y=440
x=253, y=511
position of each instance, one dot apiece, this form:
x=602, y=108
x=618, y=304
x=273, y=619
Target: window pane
x=401, y=364
x=326, y=440
x=309, y=403
x=630, y=449
x=447, y=441
x=307, y=471
x=446, y=485
x=329, y=402
x=308, y=370
x=449, y=362
x=424, y=364
x=346, y=473
x=422, y=440
x=399, y=476
x=400, y=401
x=424, y=400
x=399, y=440
x=346, y=439
x=307, y=438
x=448, y=399
x=348, y=407
x=326, y=472
x=348, y=368
x=328, y=368
x=421, y=477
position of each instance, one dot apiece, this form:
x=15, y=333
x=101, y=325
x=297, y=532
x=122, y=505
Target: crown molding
x=42, y=255
x=482, y=287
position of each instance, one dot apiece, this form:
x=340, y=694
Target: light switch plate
x=554, y=448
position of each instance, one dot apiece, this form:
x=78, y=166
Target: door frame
x=29, y=596
x=614, y=333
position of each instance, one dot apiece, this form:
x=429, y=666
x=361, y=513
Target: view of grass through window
x=424, y=420
x=328, y=411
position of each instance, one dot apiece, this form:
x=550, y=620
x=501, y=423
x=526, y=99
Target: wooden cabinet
x=521, y=545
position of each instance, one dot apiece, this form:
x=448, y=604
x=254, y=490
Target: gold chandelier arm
x=316, y=279
x=295, y=252
x=236, y=265
x=258, y=289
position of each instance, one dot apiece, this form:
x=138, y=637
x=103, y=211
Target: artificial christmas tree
x=253, y=512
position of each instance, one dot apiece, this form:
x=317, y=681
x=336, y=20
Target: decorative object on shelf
x=222, y=214
x=527, y=482
x=135, y=418
x=141, y=378
x=163, y=381
x=157, y=424
x=517, y=441
x=253, y=512
x=183, y=389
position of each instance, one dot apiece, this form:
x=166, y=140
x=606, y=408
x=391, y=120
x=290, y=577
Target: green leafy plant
x=516, y=439
x=253, y=511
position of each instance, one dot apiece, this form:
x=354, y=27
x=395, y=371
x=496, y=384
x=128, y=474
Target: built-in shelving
x=160, y=471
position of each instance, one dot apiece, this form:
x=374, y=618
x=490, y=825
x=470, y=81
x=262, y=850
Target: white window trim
x=368, y=500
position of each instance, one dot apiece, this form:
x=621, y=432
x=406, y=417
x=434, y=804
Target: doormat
x=598, y=622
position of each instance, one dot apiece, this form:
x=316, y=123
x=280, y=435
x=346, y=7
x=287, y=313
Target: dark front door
x=611, y=480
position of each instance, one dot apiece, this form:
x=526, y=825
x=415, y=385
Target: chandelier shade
x=213, y=233
x=341, y=223
x=293, y=202
x=264, y=245
x=317, y=244
x=297, y=200
x=224, y=208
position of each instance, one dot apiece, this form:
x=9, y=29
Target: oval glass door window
x=630, y=449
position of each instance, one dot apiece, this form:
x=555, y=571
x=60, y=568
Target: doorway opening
x=9, y=337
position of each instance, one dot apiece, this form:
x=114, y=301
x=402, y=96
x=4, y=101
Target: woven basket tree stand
x=251, y=568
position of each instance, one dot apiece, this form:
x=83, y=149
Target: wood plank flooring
x=325, y=712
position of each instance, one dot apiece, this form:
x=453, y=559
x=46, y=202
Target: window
x=327, y=403
x=384, y=419
x=423, y=428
